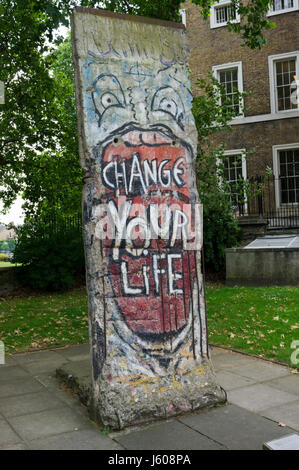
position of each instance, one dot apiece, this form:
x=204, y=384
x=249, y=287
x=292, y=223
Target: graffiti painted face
x=147, y=167
x=152, y=278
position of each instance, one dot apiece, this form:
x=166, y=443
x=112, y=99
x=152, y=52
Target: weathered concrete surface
x=262, y=266
x=150, y=355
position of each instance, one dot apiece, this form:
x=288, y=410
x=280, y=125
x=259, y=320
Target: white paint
x=180, y=221
x=221, y=3
x=286, y=10
x=173, y=276
x=127, y=289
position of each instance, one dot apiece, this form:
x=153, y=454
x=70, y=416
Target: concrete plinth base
x=123, y=406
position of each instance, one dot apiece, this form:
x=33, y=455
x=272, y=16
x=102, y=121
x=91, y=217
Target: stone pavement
x=37, y=413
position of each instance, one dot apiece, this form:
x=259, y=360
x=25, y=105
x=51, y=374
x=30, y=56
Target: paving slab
x=48, y=380
x=48, y=423
x=287, y=414
x=258, y=397
x=11, y=373
x=47, y=365
x=77, y=440
x=231, y=381
x=7, y=434
x=20, y=446
x=171, y=435
x=236, y=428
x=261, y=370
x=76, y=353
x=216, y=351
x=8, y=362
x=288, y=384
x=229, y=360
x=20, y=387
x=29, y=403
x=40, y=356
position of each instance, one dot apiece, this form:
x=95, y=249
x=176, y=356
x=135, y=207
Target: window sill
x=281, y=12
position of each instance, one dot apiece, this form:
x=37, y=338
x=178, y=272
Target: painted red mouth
x=152, y=287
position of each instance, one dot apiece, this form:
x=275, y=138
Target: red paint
x=162, y=312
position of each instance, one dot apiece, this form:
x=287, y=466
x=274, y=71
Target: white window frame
x=272, y=80
x=221, y=3
x=228, y=153
x=287, y=10
x=217, y=68
x=276, y=171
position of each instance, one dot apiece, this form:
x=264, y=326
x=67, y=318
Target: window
x=289, y=176
x=231, y=78
x=286, y=171
x=234, y=172
x=285, y=74
x=283, y=70
x=223, y=12
x=283, y=6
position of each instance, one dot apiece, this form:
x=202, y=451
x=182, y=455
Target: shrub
x=51, y=259
x=220, y=227
x=4, y=257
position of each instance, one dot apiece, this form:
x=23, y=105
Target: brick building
x=270, y=124
x=6, y=233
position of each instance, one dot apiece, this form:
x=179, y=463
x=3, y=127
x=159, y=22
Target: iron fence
x=275, y=199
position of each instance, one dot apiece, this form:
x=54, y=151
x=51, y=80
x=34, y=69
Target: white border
x=213, y=23
x=231, y=65
x=275, y=150
x=272, y=80
x=288, y=10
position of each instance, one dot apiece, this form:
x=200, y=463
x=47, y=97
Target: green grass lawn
x=6, y=264
x=44, y=321
x=262, y=321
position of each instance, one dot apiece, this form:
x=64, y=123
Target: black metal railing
x=275, y=199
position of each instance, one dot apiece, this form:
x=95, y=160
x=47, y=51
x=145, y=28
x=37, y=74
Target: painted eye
x=168, y=105
x=168, y=100
x=109, y=99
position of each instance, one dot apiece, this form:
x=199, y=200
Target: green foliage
x=256, y=320
x=162, y=9
x=7, y=245
x=253, y=19
x=51, y=258
x=213, y=112
x=38, y=131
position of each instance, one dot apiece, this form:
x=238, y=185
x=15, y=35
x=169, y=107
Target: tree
x=38, y=144
x=213, y=112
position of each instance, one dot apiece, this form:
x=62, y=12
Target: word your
x=138, y=224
